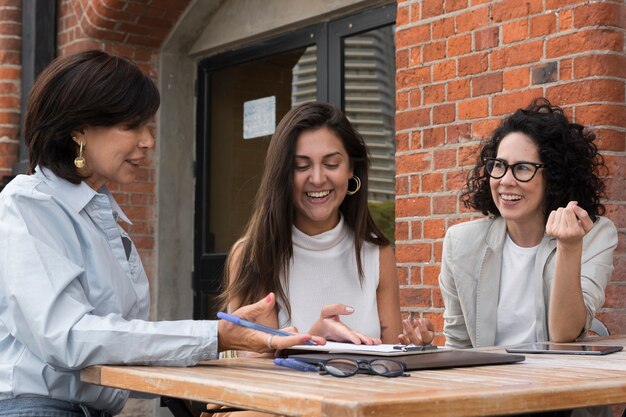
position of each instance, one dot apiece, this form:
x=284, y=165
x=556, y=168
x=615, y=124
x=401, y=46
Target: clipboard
x=372, y=350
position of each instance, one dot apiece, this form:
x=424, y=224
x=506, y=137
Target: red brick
x=432, y=182
x=417, y=297
x=9, y=87
x=402, y=59
x=402, y=100
x=9, y=118
x=412, y=119
x=516, y=78
x=565, y=20
x=443, y=28
x=611, y=140
x=585, y=40
x=615, y=296
x=600, y=14
x=415, y=162
x=487, y=39
x=467, y=154
x=455, y=5
x=444, y=204
x=409, y=207
x=443, y=114
x=434, y=51
x=509, y=102
x=432, y=8
x=430, y=276
x=600, y=64
x=515, y=31
x=416, y=14
x=519, y=54
x=458, y=89
x=444, y=158
x=444, y=70
x=615, y=188
x=542, y=25
x=457, y=132
x=402, y=186
x=587, y=91
x=566, y=69
x=10, y=73
x=601, y=114
x=455, y=180
x=487, y=84
x=415, y=98
x=512, y=9
x=472, y=20
x=434, y=228
x=414, y=184
x=413, y=77
x=473, y=109
x=434, y=93
x=416, y=229
x=435, y=136
x=402, y=15
x=484, y=128
x=402, y=231
x=412, y=36
x=459, y=45
x=473, y=64
x=415, y=56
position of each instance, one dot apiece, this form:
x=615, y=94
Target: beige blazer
x=470, y=278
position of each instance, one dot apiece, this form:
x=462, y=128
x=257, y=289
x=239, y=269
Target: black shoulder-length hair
x=267, y=245
x=91, y=88
x=574, y=168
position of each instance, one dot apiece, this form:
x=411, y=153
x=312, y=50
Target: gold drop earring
x=79, y=162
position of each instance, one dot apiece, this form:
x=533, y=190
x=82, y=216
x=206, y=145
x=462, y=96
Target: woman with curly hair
x=541, y=260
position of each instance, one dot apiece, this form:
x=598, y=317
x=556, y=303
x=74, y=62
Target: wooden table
x=541, y=382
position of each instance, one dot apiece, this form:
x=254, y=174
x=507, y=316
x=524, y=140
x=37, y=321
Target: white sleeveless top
x=324, y=271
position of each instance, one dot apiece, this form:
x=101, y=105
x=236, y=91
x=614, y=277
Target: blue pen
x=295, y=364
x=245, y=323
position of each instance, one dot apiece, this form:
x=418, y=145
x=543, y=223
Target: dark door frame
x=328, y=38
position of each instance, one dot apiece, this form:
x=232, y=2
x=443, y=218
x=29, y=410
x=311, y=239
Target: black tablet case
x=432, y=360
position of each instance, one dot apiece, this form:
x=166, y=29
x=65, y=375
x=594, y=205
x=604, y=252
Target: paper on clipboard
x=377, y=350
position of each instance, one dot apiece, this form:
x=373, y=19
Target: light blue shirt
x=70, y=298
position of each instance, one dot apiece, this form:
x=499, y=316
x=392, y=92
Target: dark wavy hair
x=267, y=245
x=90, y=88
x=574, y=171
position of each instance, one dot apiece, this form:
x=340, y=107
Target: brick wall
x=10, y=74
x=461, y=66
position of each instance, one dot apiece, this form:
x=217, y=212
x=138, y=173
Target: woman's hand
x=418, y=332
x=232, y=336
x=330, y=327
x=569, y=224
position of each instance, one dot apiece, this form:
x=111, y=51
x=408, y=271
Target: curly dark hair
x=574, y=168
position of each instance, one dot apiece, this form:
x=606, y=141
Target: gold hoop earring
x=79, y=162
x=358, y=185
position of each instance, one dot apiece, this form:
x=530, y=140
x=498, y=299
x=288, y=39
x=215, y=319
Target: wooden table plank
x=542, y=382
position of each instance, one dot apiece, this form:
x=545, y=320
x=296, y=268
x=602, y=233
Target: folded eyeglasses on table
x=343, y=367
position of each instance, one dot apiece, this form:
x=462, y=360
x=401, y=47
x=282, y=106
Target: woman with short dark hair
x=73, y=291
x=541, y=260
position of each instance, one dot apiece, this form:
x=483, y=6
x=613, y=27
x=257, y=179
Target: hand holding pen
x=253, y=336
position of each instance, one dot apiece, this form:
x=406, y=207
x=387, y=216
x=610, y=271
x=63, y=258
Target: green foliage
x=384, y=215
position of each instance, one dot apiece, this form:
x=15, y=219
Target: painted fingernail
x=349, y=309
x=268, y=298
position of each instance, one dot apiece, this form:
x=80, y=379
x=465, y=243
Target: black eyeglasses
x=343, y=368
x=522, y=171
